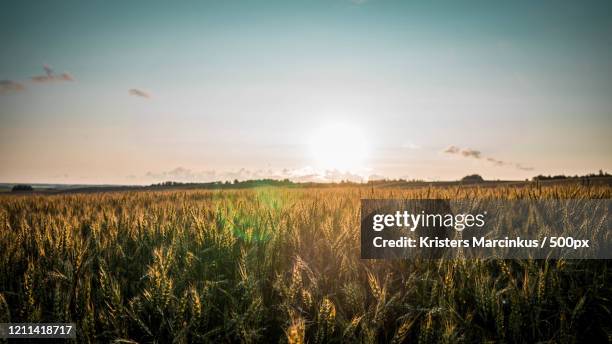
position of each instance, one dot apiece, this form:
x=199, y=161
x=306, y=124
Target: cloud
x=11, y=86
x=48, y=69
x=51, y=76
x=524, y=168
x=472, y=153
x=336, y=176
x=139, y=93
x=48, y=78
x=496, y=162
x=181, y=174
x=410, y=145
x=452, y=150
x=305, y=174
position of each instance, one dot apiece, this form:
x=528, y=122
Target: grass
x=278, y=265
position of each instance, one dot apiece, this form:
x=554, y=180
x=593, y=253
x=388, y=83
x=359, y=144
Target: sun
x=339, y=146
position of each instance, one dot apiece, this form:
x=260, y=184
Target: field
x=278, y=265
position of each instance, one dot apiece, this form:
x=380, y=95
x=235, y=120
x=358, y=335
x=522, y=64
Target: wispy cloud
x=468, y=153
x=471, y=153
x=496, y=162
x=139, y=93
x=410, y=145
x=452, y=150
x=10, y=86
x=51, y=76
x=305, y=174
x=524, y=168
x=48, y=69
x=183, y=175
x=476, y=154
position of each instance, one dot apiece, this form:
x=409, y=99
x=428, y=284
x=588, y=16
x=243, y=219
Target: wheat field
x=278, y=265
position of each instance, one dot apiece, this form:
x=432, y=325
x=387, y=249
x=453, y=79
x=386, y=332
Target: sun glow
x=340, y=147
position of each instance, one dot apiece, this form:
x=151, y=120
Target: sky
x=135, y=92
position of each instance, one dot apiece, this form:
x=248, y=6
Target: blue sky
x=241, y=89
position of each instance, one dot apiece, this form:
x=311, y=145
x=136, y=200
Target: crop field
x=279, y=265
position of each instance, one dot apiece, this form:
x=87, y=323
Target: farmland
x=277, y=264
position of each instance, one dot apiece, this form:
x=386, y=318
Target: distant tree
x=472, y=178
x=22, y=187
x=562, y=176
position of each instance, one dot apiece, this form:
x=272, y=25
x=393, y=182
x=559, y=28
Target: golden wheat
x=278, y=264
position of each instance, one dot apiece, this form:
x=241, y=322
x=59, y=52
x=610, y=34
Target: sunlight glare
x=340, y=147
